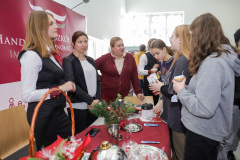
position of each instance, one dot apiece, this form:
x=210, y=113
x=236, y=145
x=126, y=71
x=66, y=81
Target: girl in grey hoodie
x=208, y=99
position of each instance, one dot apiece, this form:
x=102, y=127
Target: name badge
x=174, y=98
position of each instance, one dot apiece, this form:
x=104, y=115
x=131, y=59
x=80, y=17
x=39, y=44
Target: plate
x=146, y=150
x=135, y=127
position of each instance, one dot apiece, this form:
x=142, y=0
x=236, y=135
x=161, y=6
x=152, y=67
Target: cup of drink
x=179, y=78
x=154, y=70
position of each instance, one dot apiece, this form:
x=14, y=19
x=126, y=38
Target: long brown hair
x=149, y=43
x=160, y=44
x=207, y=37
x=37, y=34
x=183, y=33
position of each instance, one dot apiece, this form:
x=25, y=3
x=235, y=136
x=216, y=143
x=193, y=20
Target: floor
x=237, y=153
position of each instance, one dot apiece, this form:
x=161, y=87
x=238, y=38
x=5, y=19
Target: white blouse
x=31, y=65
x=91, y=82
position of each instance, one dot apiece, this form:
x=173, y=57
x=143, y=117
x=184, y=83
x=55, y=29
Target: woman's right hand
x=158, y=108
x=156, y=86
x=68, y=86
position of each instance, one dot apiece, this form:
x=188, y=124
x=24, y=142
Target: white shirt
x=31, y=65
x=142, y=63
x=119, y=63
x=91, y=82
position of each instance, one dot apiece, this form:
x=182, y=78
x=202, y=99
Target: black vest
x=50, y=76
x=151, y=61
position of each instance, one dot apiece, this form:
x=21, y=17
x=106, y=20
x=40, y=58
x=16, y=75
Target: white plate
x=136, y=127
x=146, y=150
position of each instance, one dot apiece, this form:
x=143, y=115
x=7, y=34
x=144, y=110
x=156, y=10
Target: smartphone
x=92, y=132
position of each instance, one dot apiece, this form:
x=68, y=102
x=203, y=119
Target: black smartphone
x=92, y=132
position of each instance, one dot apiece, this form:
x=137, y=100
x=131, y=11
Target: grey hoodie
x=208, y=99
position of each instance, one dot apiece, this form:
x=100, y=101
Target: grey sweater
x=208, y=99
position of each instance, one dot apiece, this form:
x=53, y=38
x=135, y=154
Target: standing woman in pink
x=118, y=70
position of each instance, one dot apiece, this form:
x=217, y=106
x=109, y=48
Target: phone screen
x=93, y=132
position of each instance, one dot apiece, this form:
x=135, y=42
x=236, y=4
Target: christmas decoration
x=113, y=113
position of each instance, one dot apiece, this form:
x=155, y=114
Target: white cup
x=154, y=70
x=179, y=78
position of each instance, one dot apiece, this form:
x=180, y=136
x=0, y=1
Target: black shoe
x=231, y=156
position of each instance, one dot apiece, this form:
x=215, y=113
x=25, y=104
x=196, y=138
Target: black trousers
x=200, y=148
x=83, y=119
x=47, y=128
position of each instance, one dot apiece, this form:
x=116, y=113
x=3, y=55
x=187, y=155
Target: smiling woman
x=118, y=70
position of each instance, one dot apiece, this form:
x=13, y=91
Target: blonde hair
x=114, y=40
x=37, y=37
x=183, y=33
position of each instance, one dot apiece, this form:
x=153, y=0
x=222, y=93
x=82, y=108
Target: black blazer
x=73, y=72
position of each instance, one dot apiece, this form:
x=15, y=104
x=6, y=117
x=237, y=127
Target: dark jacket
x=74, y=72
x=174, y=108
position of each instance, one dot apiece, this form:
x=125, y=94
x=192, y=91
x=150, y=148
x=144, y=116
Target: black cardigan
x=74, y=72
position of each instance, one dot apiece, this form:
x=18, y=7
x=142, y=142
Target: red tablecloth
x=160, y=134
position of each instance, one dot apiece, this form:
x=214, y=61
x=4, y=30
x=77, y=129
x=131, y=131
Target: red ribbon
x=122, y=123
x=85, y=143
x=56, y=56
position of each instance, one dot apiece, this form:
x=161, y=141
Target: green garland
x=113, y=113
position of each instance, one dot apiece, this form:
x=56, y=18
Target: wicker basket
x=31, y=135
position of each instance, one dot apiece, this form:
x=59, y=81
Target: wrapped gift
x=60, y=149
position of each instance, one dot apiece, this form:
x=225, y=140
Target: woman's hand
x=177, y=86
x=156, y=86
x=159, y=74
x=156, y=66
x=68, y=86
x=140, y=96
x=158, y=108
x=95, y=102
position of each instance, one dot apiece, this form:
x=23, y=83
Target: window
x=97, y=47
x=139, y=28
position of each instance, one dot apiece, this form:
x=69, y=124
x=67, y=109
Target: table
x=160, y=133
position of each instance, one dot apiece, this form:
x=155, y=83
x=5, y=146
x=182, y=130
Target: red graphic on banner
x=11, y=100
x=20, y=103
x=12, y=31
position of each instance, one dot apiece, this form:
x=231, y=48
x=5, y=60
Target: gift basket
x=60, y=149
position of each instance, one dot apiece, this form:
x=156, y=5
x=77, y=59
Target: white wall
x=227, y=11
x=103, y=17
